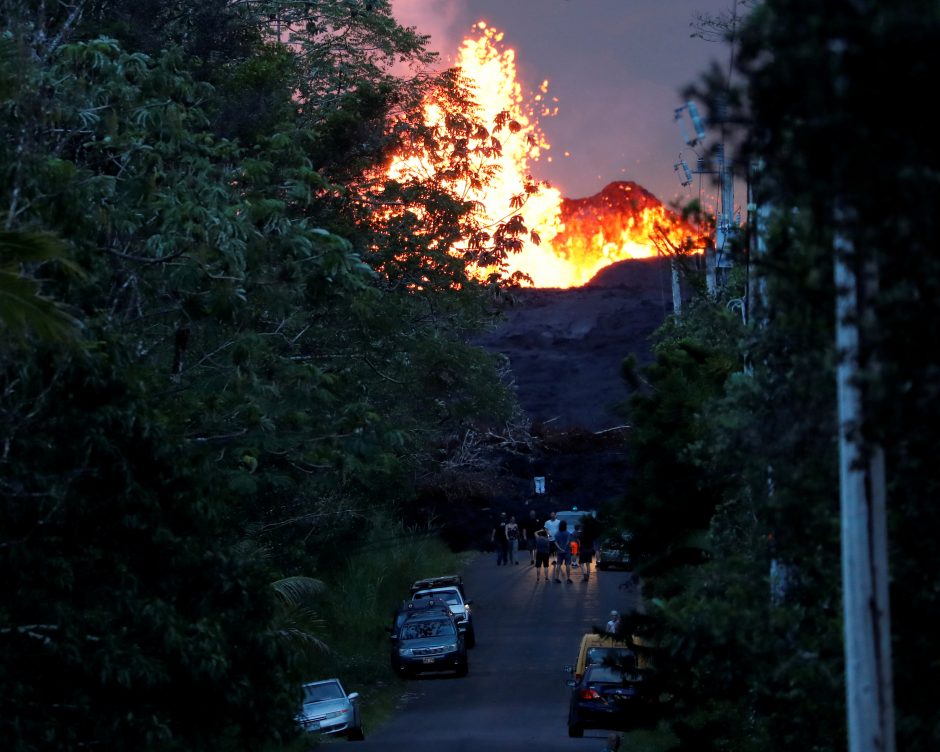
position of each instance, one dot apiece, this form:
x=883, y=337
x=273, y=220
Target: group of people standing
x=549, y=543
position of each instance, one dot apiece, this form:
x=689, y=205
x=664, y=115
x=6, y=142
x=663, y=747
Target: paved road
x=515, y=697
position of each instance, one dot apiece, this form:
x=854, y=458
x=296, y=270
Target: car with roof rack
x=459, y=606
x=429, y=640
x=446, y=580
x=410, y=607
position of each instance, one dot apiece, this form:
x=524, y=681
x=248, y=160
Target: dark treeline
x=736, y=503
x=231, y=347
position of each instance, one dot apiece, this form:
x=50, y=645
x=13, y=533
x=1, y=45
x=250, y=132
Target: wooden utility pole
x=869, y=688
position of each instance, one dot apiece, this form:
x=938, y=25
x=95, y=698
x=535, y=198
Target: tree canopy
x=749, y=636
x=234, y=339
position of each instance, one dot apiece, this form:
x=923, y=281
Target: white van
x=573, y=516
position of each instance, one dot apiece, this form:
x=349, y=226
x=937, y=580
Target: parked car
x=609, y=698
x=458, y=606
x=596, y=648
x=328, y=709
x=614, y=553
x=447, y=580
x=429, y=640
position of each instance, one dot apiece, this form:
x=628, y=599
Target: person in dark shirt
x=585, y=552
x=513, y=534
x=542, y=544
x=530, y=525
x=500, y=540
x=562, y=552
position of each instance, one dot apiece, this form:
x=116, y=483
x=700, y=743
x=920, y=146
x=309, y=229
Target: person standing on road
x=586, y=553
x=562, y=552
x=530, y=526
x=542, y=546
x=512, y=536
x=551, y=527
x=500, y=540
x=613, y=624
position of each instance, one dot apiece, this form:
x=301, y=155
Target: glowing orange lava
x=578, y=237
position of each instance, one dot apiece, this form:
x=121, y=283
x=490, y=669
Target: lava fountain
x=574, y=238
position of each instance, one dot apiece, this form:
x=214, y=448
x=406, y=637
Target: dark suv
x=428, y=640
x=459, y=607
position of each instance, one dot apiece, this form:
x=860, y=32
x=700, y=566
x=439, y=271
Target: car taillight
x=590, y=694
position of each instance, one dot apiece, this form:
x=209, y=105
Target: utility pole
x=758, y=213
x=867, y=624
x=724, y=224
x=676, y=287
x=716, y=257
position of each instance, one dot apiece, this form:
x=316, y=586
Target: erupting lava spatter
x=579, y=237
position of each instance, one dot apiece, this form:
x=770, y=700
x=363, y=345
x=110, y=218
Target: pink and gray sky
x=616, y=68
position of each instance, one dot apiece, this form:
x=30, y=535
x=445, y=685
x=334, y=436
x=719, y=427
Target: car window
x=612, y=675
x=596, y=656
x=321, y=692
x=450, y=596
x=427, y=628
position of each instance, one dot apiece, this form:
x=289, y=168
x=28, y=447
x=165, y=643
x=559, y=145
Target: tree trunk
x=869, y=691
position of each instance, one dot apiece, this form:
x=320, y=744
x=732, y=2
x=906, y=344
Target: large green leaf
x=23, y=310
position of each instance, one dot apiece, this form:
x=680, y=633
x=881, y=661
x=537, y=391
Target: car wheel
x=575, y=731
x=463, y=668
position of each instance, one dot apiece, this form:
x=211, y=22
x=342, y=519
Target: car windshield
x=427, y=628
x=450, y=596
x=321, y=692
x=610, y=675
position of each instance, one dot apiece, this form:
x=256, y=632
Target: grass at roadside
x=357, y=607
x=649, y=740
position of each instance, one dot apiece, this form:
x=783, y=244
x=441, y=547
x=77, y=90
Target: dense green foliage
x=750, y=639
x=229, y=346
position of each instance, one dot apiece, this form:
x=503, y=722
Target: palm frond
x=23, y=309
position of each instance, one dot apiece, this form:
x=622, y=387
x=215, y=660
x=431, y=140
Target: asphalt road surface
x=515, y=697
